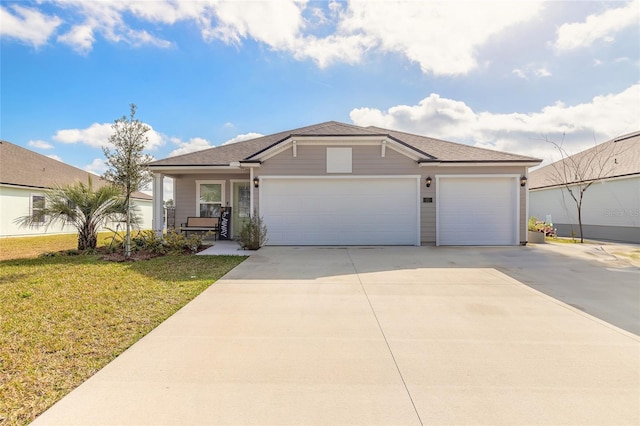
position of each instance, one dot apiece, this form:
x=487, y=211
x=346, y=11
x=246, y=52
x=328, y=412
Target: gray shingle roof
x=428, y=148
x=22, y=167
x=617, y=157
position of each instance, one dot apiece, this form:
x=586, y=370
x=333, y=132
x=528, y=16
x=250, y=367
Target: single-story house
x=611, y=205
x=340, y=184
x=25, y=176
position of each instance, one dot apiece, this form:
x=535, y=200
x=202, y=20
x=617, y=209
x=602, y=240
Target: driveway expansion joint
x=373, y=311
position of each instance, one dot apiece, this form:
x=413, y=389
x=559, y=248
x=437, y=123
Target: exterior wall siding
x=366, y=161
x=610, y=209
x=185, y=192
x=15, y=202
x=312, y=160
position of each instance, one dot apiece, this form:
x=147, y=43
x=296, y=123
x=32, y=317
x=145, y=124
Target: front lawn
x=63, y=318
x=33, y=246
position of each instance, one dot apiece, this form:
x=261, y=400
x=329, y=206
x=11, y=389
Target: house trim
x=354, y=140
x=489, y=163
x=603, y=180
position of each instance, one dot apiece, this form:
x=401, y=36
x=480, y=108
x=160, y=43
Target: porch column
x=158, y=204
x=253, y=190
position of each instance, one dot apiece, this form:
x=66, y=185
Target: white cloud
x=27, y=25
x=542, y=72
x=40, y=144
x=442, y=37
x=80, y=38
x=55, y=157
x=192, y=145
x=598, y=27
x=97, y=136
x=243, y=137
x=531, y=70
x=98, y=166
x=603, y=117
x=276, y=24
x=520, y=73
x=107, y=19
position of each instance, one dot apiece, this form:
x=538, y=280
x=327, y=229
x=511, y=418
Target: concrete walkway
x=394, y=336
x=226, y=248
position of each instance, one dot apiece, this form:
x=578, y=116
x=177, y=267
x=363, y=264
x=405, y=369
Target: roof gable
x=424, y=148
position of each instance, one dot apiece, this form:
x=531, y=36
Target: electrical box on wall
x=427, y=199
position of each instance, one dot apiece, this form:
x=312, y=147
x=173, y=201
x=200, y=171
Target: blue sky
x=500, y=75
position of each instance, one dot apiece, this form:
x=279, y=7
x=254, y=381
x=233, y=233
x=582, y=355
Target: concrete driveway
x=393, y=335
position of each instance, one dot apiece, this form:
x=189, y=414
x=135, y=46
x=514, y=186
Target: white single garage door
x=340, y=211
x=477, y=210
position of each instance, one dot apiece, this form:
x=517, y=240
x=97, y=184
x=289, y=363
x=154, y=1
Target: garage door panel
x=340, y=211
x=477, y=211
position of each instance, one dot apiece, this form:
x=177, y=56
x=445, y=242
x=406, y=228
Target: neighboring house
x=25, y=176
x=611, y=206
x=339, y=184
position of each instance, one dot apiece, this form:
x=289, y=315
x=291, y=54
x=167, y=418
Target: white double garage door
x=386, y=210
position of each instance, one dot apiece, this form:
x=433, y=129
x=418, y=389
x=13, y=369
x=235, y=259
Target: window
x=210, y=198
x=37, y=207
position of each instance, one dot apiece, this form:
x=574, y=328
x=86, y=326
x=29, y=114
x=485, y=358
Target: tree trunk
x=87, y=239
x=127, y=244
x=580, y=223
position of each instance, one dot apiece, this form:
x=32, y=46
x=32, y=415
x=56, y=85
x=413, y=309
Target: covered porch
x=206, y=191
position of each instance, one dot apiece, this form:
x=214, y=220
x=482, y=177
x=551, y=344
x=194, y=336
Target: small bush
x=148, y=241
x=254, y=233
x=535, y=225
x=176, y=243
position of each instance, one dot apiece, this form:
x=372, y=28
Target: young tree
x=86, y=209
x=578, y=172
x=127, y=165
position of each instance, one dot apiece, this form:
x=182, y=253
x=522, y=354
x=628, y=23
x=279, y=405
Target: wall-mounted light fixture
x=256, y=182
x=428, y=181
x=523, y=180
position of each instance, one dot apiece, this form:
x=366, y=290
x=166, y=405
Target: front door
x=241, y=206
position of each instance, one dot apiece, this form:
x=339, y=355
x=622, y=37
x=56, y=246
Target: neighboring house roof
x=22, y=167
x=615, y=158
x=427, y=149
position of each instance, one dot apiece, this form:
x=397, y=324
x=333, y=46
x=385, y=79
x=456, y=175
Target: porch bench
x=201, y=224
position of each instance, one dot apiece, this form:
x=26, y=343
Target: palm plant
x=82, y=207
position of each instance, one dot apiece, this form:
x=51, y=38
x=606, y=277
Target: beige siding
x=367, y=160
x=523, y=215
x=185, y=192
x=312, y=161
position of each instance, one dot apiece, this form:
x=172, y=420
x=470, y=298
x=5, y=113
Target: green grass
x=565, y=240
x=63, y=318
x=26, y=247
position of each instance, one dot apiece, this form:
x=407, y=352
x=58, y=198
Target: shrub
x=253, y=234
x=176, y=242
x=535, y=225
